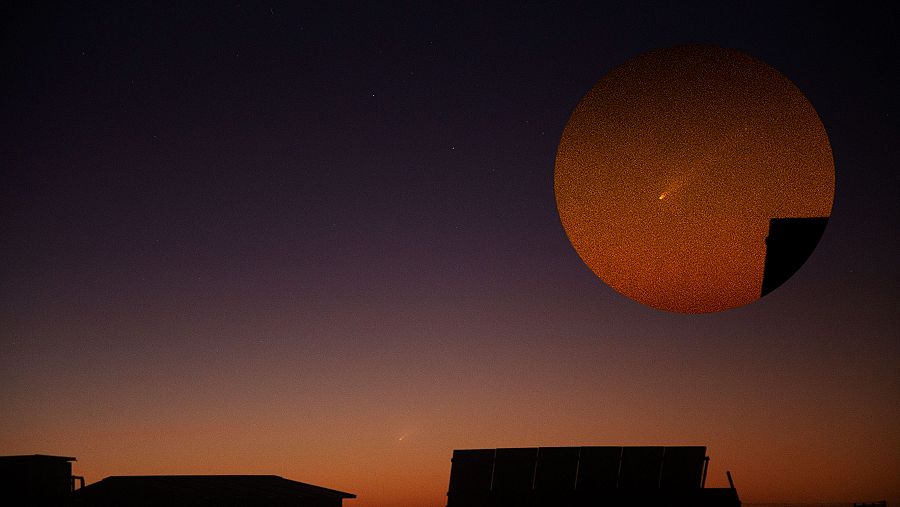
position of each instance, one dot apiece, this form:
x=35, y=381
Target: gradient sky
x=671, y=167
x=323, y=243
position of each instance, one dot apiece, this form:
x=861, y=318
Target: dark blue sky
x=353, y=206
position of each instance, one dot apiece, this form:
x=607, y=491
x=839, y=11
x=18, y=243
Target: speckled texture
x=670, y=168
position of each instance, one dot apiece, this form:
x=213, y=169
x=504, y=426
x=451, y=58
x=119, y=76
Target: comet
x=674, y=186
x=716, y=185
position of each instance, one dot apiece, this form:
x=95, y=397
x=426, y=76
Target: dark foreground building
x=47, y=481
x=206, y=490
x=584, y=476
x=36, y=480
x=790, y=242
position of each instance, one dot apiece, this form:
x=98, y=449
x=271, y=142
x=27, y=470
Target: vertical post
x=662, y=465
x=577, y=469
x=731, y=483
x=619, y=468
x=493, y=467
x=705, y=469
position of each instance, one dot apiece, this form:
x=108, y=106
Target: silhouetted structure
x=790, y=242
x=582, y=476
x=36, y=479
x=39, y=480
x=206, y=490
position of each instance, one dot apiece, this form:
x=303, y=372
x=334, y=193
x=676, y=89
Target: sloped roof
x=37, y=457
x=203, y=489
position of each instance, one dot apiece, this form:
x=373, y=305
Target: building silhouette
x=206, y=491
x=790, y=242
x=36, y=479
x=44, y=481
x=584, y=476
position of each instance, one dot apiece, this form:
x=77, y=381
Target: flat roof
x=37, y=457
x=262, y=485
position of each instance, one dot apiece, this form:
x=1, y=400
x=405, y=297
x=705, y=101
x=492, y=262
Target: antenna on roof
x=731, y=483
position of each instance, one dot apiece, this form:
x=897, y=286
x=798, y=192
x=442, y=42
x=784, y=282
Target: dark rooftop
x=206, y=490
x=37, y=457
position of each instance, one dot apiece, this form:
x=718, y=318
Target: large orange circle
x=672, y=166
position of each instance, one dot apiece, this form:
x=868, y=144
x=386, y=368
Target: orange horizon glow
x=399, y=477
x=803, y=464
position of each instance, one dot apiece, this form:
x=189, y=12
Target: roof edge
x=43, y=456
